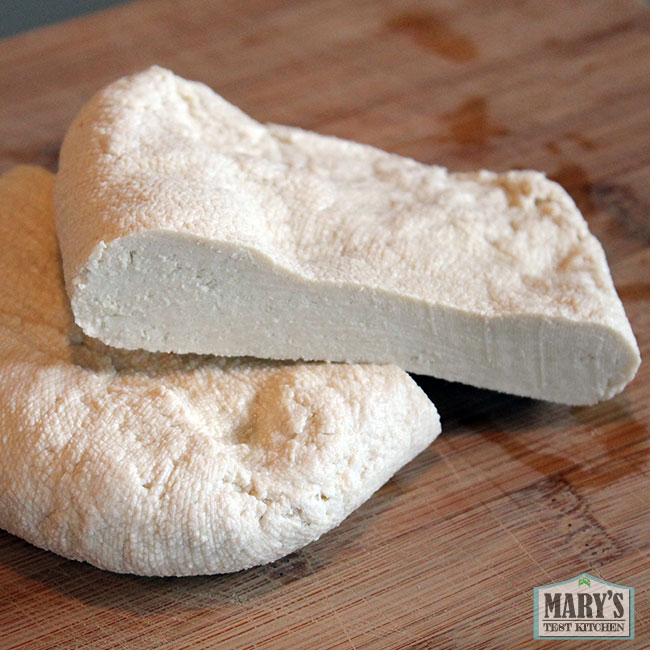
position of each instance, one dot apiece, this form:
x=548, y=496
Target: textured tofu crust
x=160, y=464
x=173, y=206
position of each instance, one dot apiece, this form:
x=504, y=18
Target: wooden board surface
x=515, y=493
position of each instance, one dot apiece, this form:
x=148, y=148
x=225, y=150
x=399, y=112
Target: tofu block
x=187, y=226
x=164, y=464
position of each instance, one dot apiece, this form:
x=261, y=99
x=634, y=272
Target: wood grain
x=516, y=493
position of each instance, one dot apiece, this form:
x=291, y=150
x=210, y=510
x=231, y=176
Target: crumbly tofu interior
x=163, y=464
x=187, y=226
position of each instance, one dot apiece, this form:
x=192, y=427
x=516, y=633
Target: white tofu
x=160, y=464
x=187, y=226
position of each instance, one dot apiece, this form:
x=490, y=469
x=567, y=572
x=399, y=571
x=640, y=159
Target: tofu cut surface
x=187, y=226
x=162, y=464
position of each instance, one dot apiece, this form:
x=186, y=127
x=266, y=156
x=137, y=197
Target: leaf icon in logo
x=584, y=581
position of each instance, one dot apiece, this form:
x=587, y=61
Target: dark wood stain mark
x=552, y=42
x=575, y=45
x=431, y=32
x=261, y=36
x=575, y=181
x=553, y=147
x=46, y=155
x=470, y=124
x=628, y=214
x=584, y=142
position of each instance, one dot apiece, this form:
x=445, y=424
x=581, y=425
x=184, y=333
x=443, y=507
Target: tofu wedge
x=187, y=226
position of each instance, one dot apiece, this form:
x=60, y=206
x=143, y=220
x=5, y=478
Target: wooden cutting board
x=515, y=493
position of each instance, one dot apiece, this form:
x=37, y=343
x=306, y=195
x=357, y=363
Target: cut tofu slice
x=161, y=464
x=185, y=225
